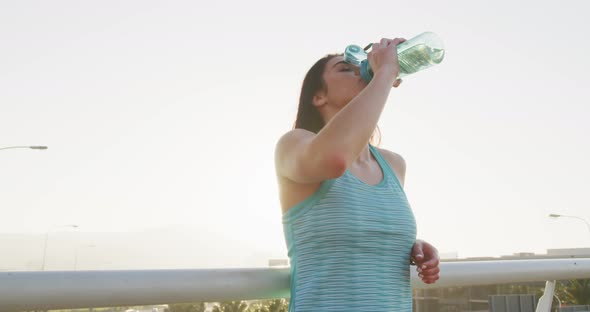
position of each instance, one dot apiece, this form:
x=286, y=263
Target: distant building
x=570, y=252
x=551, y=254
x=278, y=262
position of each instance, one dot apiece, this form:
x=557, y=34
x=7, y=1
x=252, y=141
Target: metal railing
x=40, y=290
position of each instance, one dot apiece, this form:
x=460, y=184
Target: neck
x=364, y=156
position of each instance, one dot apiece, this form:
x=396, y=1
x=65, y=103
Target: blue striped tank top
x=349, y=246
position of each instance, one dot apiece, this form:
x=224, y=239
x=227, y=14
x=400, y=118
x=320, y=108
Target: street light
x=31, y=147
x=575, y=217
x=47, y=238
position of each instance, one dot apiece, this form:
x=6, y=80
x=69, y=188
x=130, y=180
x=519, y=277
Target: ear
x=320, y=99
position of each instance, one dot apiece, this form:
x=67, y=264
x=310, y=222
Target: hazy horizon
x=155, y=248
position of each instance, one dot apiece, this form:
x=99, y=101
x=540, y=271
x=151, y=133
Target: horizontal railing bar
x=465, y=273
x=34, y=290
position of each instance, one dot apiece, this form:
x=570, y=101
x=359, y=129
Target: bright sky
x=162, y=116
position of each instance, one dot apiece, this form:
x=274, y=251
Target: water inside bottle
x=417, y=58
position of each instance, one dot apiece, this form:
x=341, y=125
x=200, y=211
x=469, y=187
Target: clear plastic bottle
x=414, y=55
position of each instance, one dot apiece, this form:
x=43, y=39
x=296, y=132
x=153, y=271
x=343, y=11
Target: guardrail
x=43, y=290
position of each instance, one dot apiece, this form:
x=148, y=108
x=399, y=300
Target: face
x=343, y=82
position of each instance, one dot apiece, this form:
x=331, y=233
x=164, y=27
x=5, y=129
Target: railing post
x=546, y=300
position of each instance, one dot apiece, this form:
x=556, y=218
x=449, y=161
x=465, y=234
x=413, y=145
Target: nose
x=357, y=70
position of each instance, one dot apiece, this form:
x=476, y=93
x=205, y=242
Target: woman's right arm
x=305, y=157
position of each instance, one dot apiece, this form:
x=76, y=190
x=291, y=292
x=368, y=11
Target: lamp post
x=47, y=238
x=31, y=147
x=553, y=215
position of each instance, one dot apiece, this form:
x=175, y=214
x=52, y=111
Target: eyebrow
x=340, y=63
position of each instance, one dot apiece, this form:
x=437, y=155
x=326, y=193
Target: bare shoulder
x=392, y=157
x=396, y=162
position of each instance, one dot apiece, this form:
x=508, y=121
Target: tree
x=231, y=306
x=187, y=307
x=278, y=305
x=576, y=292
x=258, y=307
x=275, y=305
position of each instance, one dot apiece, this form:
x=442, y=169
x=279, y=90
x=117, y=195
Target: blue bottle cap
x=354, y=55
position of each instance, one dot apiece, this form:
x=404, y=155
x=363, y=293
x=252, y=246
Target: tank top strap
x=387, y=170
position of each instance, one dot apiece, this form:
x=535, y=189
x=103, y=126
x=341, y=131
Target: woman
x=350, y=232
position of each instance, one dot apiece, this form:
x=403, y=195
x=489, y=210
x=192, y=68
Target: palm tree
x=574, y=291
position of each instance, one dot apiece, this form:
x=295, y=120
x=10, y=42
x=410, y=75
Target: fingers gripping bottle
x=414, y=55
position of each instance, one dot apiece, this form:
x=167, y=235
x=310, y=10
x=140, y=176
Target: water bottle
x=414, y=55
